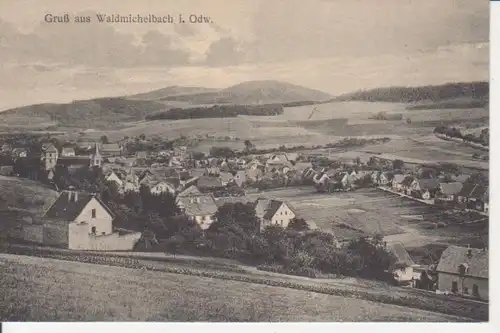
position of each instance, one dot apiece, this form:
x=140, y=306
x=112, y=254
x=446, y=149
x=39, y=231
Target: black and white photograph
x=244, y=161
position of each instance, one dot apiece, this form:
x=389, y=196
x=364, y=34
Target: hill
x=170, y=92
x=104, y=113
x=255, y=92
x=94, y=113
x=66, y=291
x=460, y=93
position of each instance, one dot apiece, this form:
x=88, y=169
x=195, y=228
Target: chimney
x=469, y=251
x=76, y=196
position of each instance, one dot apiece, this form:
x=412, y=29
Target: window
x=454, y=287
x=466, y=290
x=94, y=230
x=286, y=212
x=475, y=290
x=93, y=213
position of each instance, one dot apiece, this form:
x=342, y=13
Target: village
x=104, y=188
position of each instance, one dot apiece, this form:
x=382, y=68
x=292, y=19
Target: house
x=113, y=177
x=240, y=177
x=131, y=182
x=397, y=182
x=198, y=207
x=140, y=158
x=448, y=192
x=464, y=271
x=19, y=152
x=406, y=184
x=111, y=149
x=49, y=156
x=6, y=148
x=386, y=178
x=209, y=183
x=254, y=174
x=424, y=188
x=273, y=212
x=472, y=195
x=161, y=187
x=79, y=221
x=226, y=178
x=255, y=164
x=68, y=151
x=191, y=190
x=403, y=268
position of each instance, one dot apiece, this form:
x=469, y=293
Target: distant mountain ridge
x=105, y=112
x=432, y=93
x=255, y=92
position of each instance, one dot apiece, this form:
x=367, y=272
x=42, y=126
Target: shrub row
x=461, y=308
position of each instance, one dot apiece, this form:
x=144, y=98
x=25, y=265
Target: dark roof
x=209, y=182
x=471, y=190
x=110, y=147
x=199, y=205
x=407, y=181
x=401, y=254
x=428, y=184
x=451, y=188
x=49, y=147
x=74, y=160
x=174, y=181
x=272, y=208
x=191, y=190
x=66, y=208
x=454, y=256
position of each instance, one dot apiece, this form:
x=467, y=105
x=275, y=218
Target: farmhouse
x=198, y=207
x=67, y=151
x=424, y=188
x=79, y=221
x=111, y=149
x=464, y=271
x=397, y=182
x=113, y=177
x=448, y=192
x=402, y=270
x=472, y=195
x=273, y=212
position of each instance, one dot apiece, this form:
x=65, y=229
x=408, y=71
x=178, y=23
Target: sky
x=337, y=46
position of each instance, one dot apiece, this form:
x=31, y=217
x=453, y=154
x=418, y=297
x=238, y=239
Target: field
x=373, y=211
x=412, y=142
x=35, y=289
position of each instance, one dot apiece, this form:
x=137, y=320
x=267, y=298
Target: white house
x=273, y=212
x=161, y=187
x=464, y=271
x=67, y=152
x=79, y=221
x=200, y=208
x=113, y=177
x=397, y=182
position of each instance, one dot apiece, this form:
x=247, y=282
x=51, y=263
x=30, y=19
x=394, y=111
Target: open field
x=35, y=289
x=373, y=211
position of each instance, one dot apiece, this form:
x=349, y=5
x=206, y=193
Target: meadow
x=35, y=289
x=373, y=211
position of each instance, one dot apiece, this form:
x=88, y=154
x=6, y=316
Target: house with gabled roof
x=79, y=221
x=273, y=212
x=402, y=268
x=209, y=183
x=68, y=151
x=424, y=188
x=464, y=271
x=447, y=192
x=198, y=207
x=472, y=195
x=111, y=149
x=397, y=182
x=406, y=184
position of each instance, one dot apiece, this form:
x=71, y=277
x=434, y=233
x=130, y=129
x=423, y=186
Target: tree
x=397, y=164
x=104, y=139
x=242, y=215
x=298, y=224
x=249, y=145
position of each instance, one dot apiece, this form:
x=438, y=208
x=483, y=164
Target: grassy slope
x=44, y=290
x=26, y=194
